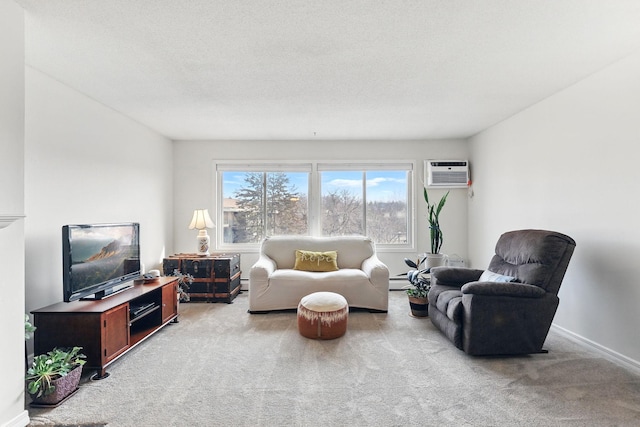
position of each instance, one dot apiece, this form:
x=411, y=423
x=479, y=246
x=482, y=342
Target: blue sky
x=381, y=185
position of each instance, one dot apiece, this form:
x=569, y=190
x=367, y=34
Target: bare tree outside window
x=342, y=214
x=384, y=217
x=387, y=222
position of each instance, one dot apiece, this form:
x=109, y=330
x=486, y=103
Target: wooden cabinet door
x=115, y=332
x=169, y=301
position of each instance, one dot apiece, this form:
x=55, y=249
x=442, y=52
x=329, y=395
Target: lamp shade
x=201, y=220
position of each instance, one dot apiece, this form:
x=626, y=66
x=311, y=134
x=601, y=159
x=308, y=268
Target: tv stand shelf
x=106, y=328
x=142, y=314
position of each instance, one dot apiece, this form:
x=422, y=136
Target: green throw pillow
x=316, y=261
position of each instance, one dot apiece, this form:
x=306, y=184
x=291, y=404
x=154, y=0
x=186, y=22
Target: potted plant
x=184, y=282
x=55, y=375
x=418, y=289
x=435, y=258
x=29, y=329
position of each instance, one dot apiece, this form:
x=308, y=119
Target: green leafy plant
x=184, y=283
x=420, y=285
x=433, y=216
x=28, y=327
x=50, y=366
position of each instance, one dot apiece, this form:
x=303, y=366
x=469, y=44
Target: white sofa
x=361, y=277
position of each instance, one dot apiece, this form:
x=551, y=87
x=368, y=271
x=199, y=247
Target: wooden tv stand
x=107, y=329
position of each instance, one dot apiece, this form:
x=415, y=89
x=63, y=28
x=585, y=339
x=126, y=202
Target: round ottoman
x=323, y=315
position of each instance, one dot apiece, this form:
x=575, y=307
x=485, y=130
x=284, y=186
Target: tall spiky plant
x=433, y=216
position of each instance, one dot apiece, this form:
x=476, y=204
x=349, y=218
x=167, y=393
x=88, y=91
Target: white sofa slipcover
x=361, y=277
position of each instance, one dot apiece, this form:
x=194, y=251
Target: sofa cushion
x=353, y=249
x=316, y=261
x=344, y=275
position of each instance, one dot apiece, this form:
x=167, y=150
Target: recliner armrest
x=510, y=289
x=454, y=276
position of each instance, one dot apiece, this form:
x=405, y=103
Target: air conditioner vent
x=447, y=173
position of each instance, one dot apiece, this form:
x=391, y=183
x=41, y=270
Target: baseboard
x=607, y=353
x=21, y=420
x=397, y=283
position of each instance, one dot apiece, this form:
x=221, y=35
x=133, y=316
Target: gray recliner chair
x=508, y=308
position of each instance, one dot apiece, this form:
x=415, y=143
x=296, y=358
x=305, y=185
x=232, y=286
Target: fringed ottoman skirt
x=323, y=315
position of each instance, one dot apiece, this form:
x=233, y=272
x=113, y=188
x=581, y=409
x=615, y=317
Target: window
x=329, y=199
x=367, y=199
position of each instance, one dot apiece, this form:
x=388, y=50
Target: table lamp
x=201, y=220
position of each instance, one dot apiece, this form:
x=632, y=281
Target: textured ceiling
x=324, y=69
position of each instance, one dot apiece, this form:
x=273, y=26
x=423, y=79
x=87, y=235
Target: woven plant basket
x=64, y=387
x=419, y=306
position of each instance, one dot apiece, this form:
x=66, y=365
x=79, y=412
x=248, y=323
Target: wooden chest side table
x=216, y=278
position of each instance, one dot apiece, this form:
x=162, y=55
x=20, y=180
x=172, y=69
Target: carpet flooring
x=220, y=366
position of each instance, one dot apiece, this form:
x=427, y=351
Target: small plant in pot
x=55, y=375
x=29, y=329
x=184, y=283
x=418, y=289
x=435, y=258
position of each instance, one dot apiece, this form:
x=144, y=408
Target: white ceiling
x=325, y=69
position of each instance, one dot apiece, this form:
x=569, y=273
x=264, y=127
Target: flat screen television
x=99, y=259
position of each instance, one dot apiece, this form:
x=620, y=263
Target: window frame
x=314, y=194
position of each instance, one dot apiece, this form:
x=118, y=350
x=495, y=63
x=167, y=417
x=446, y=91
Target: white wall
x=569, y=164
x=12, y=412
x=194, y=177
x=85, y=163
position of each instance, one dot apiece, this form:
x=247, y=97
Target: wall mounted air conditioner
x=447, y=173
